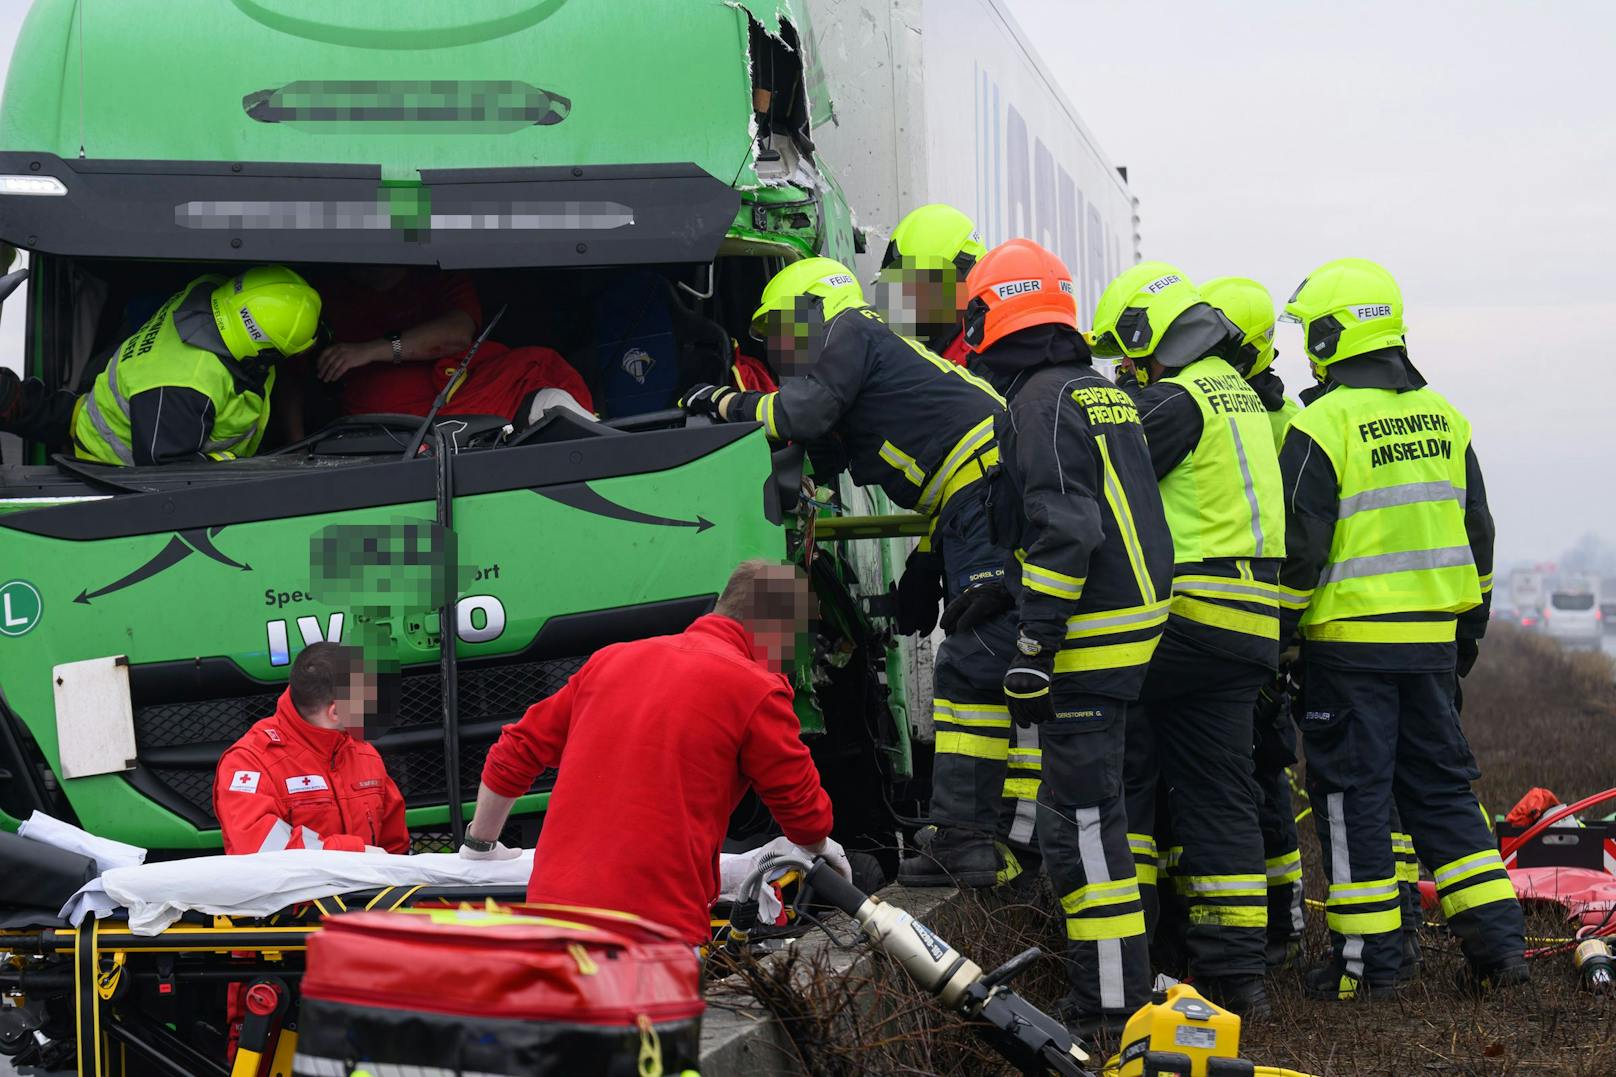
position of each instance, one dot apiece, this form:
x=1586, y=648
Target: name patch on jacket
x=244, y=781
x=306, y=783
x=1103, y=405
x=368, y=783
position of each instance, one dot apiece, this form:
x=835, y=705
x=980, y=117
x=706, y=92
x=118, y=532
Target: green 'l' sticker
x=20, y=608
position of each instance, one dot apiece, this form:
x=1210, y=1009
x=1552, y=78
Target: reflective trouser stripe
x=1359, y=921
x=1225, y=900
x=1284, y=869
x=1109, y=656
x=1265, y=625
x=279, y=836
x=1457, y=870
x=950, y=743
x=1143, y=848
x=1408, y=864
x=1102, y=928
x=1021, y=788
x=1480, y=892
x=1247, y=590
x=1471, y=881
x=1094, y=895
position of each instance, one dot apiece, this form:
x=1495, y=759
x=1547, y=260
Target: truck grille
x=488, y=694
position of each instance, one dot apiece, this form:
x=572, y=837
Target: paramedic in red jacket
x=303, y=778
x=657, y=741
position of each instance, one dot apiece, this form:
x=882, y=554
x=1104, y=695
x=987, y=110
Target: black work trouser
x=1273, y=751
x=1194, y=735
x=1376, y=740
x=974, y=735
x=1083, y=835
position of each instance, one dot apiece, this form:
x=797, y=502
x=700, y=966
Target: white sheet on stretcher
x=156, y=895
x=258, y=884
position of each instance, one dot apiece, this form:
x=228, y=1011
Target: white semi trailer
x=924, y=101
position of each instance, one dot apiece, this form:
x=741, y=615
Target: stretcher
x=129, y=973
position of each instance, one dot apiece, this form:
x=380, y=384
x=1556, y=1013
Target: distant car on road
x=1574, y=619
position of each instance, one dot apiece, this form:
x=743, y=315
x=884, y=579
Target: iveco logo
x=1017, y=287
x=1378, y=310
x=1161, y=283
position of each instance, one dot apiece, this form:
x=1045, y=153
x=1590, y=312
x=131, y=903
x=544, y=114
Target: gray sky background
x=1468, y=146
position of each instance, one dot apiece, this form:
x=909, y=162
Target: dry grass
x=1534, y=715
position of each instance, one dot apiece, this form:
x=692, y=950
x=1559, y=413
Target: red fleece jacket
x=657, y=741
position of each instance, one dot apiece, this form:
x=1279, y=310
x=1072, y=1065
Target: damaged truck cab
x=622, y=184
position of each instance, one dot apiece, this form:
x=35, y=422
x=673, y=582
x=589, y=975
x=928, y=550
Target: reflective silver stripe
x=277, y=838
x=1251, y=488
x=1383, y=564
x=968, y=446
x=1091, y=852
x=228, y=443
x=1256, y=592
x=1209, y=884
x=1487, y=860
x=1341, y=872
x=125, y=455
x=1298, y=918
x=1354, y=893
x=311, y=840
x=1024, y=826
x=319, y=1066
x=1149, y=614
x=112, y=384
x=1408, y=493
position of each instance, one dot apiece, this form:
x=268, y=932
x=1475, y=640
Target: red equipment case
x=511, y=990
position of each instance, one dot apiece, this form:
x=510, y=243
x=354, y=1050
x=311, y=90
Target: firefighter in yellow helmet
x=1250, y=307
x=923, y=277
x=1211, y=448
x=921, y=429
x=1388, y=575
x=193, y=383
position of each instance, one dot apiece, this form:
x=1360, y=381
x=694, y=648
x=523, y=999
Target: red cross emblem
x=305, y=779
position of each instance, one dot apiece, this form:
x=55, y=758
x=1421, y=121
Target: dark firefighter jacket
x=908, y=421
x=1415, y=635
x=1075, y=499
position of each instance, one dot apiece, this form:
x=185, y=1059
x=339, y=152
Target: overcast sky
x=1468, y=146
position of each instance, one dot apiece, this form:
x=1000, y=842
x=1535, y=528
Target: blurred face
x=349, y=710
x=783, y=621
x=919, y=302
x=795, y=336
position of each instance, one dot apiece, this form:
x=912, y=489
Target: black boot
x=1512, y=971
x=1100, y=1034
x=1245, y=996
x=953, y=857
x=1329, y=982
x=1282, y=953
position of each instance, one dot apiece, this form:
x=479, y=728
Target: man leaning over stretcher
x=300, y=779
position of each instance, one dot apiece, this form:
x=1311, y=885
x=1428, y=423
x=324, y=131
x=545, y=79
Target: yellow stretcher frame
x=100, y=951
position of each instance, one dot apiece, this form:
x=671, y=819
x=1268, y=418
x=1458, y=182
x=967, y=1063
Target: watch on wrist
x=396, y=341
x=1029, y=646
x=478, y=845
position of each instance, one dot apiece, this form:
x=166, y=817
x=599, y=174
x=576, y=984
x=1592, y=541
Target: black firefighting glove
x=975, y=605
x=1468, y=650
x=707, y=400
x=1027, y=682
x=920, y=592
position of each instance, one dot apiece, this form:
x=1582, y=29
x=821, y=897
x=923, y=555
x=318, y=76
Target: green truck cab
x=552, y=150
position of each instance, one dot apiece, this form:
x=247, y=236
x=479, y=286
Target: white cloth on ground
x=107, y=854
x=156, y=895
x=734, y=868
